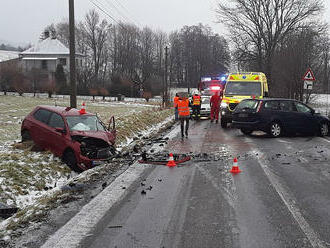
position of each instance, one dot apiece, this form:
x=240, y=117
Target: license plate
x=242, y=115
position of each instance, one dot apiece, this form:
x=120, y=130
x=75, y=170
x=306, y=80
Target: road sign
x=308, y=85
x=309, y=76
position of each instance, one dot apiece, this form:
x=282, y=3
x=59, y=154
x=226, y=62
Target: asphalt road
x=280, y=199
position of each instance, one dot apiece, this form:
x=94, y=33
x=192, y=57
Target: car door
x=288, y=110
x=39, y=126
x=304, y=118
x=57, y=134
x=271, y=112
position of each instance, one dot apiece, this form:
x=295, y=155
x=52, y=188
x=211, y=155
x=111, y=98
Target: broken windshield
x=85, y=123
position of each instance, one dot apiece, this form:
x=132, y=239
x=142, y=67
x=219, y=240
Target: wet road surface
x=281, y=198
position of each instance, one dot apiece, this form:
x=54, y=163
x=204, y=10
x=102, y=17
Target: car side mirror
x=312, y=111
x=60, y=130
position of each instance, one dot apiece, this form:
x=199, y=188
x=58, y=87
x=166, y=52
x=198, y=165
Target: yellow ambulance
x=239, y=86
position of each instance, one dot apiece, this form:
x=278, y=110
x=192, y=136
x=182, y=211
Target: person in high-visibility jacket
x=175, y=105
x=184, y=115
x=196, y=106
x=215, y=102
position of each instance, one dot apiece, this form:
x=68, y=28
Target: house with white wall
x=46, y=55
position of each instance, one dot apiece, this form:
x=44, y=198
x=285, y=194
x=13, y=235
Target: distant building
x=8, y=55
x=9, y=58
x=46, y=55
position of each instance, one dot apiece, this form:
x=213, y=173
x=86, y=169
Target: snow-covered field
x=321, y=103
x=28, y=178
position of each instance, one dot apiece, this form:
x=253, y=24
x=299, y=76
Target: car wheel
x=323, y=129
x=275, y=129
x=70, y=159
x=246, y=131
x=223, y=123
x=26, y=136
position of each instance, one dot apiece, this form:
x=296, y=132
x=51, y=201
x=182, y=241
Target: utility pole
x=73, y=95
x=166, y=83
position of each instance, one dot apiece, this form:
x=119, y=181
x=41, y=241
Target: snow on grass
x=33, y=181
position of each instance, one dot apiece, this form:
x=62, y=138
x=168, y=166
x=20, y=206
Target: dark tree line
x=126, y=59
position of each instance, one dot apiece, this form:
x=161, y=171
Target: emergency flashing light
x=215, y=88
x=256, y=78
x=223, y=78
x=231, y=78
x=207, y=79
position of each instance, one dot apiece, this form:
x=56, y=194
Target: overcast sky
x=22, y=21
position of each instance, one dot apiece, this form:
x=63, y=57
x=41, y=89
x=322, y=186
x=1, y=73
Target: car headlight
x=224, y=105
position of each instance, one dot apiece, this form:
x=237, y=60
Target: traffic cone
x=82, y=110
x=171, y=162
x=235, y=169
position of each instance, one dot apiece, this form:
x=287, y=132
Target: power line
x=127, y=11
x=111, y=5
x=105, y=12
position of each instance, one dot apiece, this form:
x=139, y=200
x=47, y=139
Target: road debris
x=7, y=211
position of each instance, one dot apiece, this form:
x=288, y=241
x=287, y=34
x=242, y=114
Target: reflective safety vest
x=183, y=107
x=175, y=101
x=196, y=100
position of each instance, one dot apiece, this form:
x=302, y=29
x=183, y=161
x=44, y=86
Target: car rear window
x=248, y=104
x=42, y=115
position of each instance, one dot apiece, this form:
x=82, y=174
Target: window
x=56, y=121
x=63, y=61
x=248, y=104
x=286, y=106
x=44, y=64
x=273, y=105
x=302, y=108
x=243, y=88
x=42, y=115
x=85, y=123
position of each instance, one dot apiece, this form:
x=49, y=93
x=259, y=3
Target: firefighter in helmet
x=196, y=105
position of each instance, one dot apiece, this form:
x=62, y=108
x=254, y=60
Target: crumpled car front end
x=92, y=150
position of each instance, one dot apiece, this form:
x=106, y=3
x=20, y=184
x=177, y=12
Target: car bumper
x=205, y=113
x=255, y=125
x=226, y=114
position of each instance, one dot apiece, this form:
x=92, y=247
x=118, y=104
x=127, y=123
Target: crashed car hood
x=98, y=135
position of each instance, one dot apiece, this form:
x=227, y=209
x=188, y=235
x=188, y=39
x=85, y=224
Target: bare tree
x=95, y=34
x=257, y=27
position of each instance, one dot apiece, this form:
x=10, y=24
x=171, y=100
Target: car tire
x=323, y=129
x=246, y=131
x=26, y=136
x=223, y=123
x=70, y=159
x=275, y=129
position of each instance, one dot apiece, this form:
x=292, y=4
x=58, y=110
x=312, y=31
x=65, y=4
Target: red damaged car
x=80, y=138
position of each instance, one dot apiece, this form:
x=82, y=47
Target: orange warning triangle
x=309, y=76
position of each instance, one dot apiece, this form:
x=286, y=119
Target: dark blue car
x=279, y=116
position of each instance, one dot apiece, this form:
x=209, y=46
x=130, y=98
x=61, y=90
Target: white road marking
x=81, y=225
x=284, y=141
x=289, y=201
x=325, y=139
